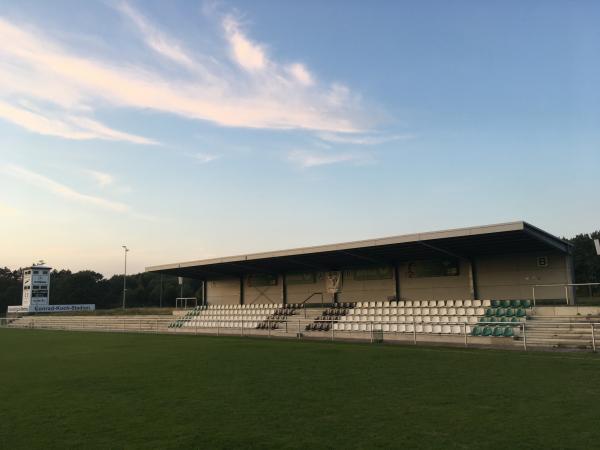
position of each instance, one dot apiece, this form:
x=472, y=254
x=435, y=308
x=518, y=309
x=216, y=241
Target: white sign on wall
x=333, y=281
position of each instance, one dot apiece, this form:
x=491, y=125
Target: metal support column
x=473, y=279
x=284, y=289
x=241, y=289
x=397, y=281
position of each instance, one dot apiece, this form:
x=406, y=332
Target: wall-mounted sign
x=333, y=281
x=301, y=278
x=374, y=273
x=433, y=268
x=262, y=279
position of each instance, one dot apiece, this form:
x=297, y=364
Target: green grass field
x=93, y=390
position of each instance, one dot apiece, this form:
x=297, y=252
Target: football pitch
x=101, y=390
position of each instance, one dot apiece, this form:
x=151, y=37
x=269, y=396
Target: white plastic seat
x=458, y=303
x=442, y=311
x=418, y=319
x=436, y=319
x=434, y=311
x=417, y=311
x=436, y=329
x=409, y=311
x=401, y=311
x=378, y=319
x=480, y=311
x=386, y=311
x=452, y=319
x=401, y=304
x=393, y=304
x=440, y=303
x=385, y=318
x=425, y=311
x=449, y=303
x=486, y=303
x=394, y=327
x=403, y=328
x=363, y=327
x=416, y=303
x=468, y=303
x=386, y=304
x=456, y=329
x=446, y=329
x=470, y=311
x=393, y=311
x=426, y=319
x=476, y=303
x=451, y=311
x=473, y=320
x=431, y=303
x=385, y=327
x=379, y=304
x=401, y=319
x=423, y=328
x=461, y=311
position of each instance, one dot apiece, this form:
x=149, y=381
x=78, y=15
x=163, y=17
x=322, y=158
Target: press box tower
x=36, y=286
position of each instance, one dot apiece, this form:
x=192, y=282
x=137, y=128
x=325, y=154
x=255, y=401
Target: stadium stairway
x=566, y=332
x=124, y=323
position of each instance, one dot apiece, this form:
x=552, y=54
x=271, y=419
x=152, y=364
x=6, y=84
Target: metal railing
x=295, y=328
x=565, y=285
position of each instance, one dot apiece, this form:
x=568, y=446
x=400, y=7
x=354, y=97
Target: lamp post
x=125, y=249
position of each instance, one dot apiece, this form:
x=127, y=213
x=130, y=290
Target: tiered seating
x=504, y=313
x=280, y=315
x=235, y=316
x=330, y=316
x=434, y=316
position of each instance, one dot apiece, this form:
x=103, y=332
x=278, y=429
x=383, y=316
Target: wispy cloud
x=205, y=157
x=65, y=125
x=309, y=158
x=66, y=87
x=62, y=190
x=363, y=138
x=102, y=179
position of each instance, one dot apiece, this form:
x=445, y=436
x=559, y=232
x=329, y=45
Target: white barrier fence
x=297, y=328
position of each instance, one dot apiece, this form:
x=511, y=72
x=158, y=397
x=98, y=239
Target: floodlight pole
x=125, y=250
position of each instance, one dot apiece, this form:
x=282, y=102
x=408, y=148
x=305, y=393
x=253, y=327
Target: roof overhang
x=505, y=238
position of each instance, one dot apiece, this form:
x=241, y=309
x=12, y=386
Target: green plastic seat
x=509, y=332
x=515, y=320
x=490, y=312
x=477, y=330
x=515, y=303
x=505, y=303
x=496, y=303
x=521, y=312
x=525, y=303
x=509, y=312
x=491, y=319
x=487, y=331
x=500, y=312
x=498, y=332
x=483, y=319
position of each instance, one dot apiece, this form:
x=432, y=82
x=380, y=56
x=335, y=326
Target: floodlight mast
x=125, y=250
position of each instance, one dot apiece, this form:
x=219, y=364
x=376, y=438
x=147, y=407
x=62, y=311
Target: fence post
x=242, y=329
x=465, y=329
x=298, y=335
x=332, y=332
x=567, y=294
x=524, y=337
x=269, y=326
x=414, y=331
x=593, y=339
x=533, y=294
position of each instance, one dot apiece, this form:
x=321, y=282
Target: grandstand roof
x=504, y=238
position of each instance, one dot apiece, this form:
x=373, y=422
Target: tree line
x=86, y=286
x=153, y=290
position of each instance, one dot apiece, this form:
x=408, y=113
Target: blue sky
x=199, y=129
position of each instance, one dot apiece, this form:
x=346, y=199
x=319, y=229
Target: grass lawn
x=94, y=390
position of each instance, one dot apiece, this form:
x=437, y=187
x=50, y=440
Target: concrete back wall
x=496, y=277
x=512, y=276
x=262, y=294
x=223, y=292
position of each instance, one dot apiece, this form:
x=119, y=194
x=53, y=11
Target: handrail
x=308, y=298
x=566, y=285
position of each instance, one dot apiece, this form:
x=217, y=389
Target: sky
x=196, y=129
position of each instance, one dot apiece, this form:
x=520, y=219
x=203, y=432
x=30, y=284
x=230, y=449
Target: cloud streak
x=66, y=87
x=307, y=158
x=61, y=190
